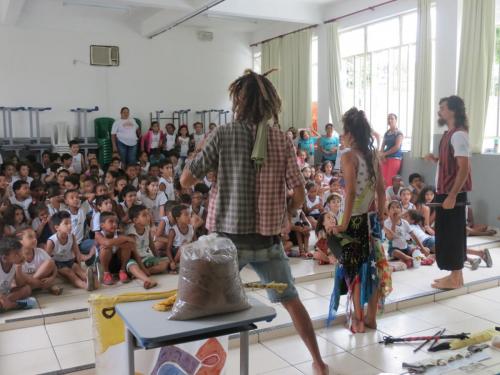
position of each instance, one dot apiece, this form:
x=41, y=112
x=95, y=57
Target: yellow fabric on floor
x=112, y=331
x=475, y=338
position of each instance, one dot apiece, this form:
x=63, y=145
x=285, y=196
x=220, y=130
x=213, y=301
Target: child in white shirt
x=397, y=230
x=181, y=233
x=14, y=292
x=154, y=199
x=39, y=271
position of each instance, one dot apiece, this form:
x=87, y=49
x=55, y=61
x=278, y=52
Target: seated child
x=144, y=163
x=166, y=223
x=299, y=232
x=14, y=292
x=181, y=233
x=86, y=246
x=474, y=229
x=397, y=230
x=405, y=196
x=102, y=203
x=114, y=249
x=154, y=199
x=322, y=253
x=63, y=248
x=425, y=196
x=313, y=205
x=128, y=198
x=416, y=182
x=392, y=192
x=55, y=198
x=334, y=205
x=14, y=219
x=166, y=182
x=416, y=221
x=39, y=271
x=22, y=196
x=144, y=261
x=40, y=224
x=198, y=214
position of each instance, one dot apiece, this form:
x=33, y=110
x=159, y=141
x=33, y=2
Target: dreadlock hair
x=255, y=98
x=356, y=124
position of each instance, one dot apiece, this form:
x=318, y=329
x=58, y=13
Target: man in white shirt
x=453, y=178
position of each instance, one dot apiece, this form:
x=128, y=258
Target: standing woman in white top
x=359, y=273
x=124, y=135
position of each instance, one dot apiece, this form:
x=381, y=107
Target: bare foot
x=357, y=326
x=371, y=324
x=55, y=290
x=148, y=284
x=320, y=368
x=442, y=278
x=447, y=284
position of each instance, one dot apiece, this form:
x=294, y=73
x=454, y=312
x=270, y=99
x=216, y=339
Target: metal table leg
x=129, y=340
x=244, y=352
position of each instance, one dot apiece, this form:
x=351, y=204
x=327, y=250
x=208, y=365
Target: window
x=492, y=128
x=378, y=66
x=314, y=82
x=257, y=60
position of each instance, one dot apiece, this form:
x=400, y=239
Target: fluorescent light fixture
x=230, y=18
x=97, y=4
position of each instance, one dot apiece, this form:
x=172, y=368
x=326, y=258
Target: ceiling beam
x=11, y=11
x=276, y=10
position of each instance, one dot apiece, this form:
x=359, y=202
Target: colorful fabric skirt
x=362, y=261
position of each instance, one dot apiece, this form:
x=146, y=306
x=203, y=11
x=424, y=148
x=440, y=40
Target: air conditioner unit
x=104, y=55
x=205, y=36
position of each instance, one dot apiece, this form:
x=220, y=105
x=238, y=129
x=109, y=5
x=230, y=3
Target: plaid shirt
x=244, y=200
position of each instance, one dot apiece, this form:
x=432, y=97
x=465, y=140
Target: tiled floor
x=68, y=344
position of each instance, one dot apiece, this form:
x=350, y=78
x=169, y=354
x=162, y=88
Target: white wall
x=172, y=71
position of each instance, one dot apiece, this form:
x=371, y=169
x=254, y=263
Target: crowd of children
x=69, y=217
x=409, y=222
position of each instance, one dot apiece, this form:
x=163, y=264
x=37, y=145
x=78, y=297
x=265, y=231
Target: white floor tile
x=398, y=324
x=470, y=325
x=261, y=360
x=492, y=294
x=317, y=307
x=345, y=339
x=284, y=371
x=436, y=314
x=471, y=304
x=76, y=354
x=29, y=363
x=389, y=357
x=322, y=287
x=70, y=332
x=23, y=340
x=342, y=364
x=293, y=350
x=492, y=316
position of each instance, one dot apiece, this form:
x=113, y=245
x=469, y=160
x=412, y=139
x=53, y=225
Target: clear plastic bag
x=209, y=280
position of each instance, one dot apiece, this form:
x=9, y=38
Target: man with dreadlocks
x=255, y=165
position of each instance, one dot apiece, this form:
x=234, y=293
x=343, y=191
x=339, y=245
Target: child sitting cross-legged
x=181, y=233
x=63, y=248
x=166, y=223
x=114, y=249
x=397, y=230
x=39, y=271
x=322, y=253
x=144, y=261
x=14, y=292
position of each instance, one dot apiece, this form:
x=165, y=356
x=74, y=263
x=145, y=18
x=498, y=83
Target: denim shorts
x=404, y=251
x=270, y=263
x=65, y=264
x=430, y=243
